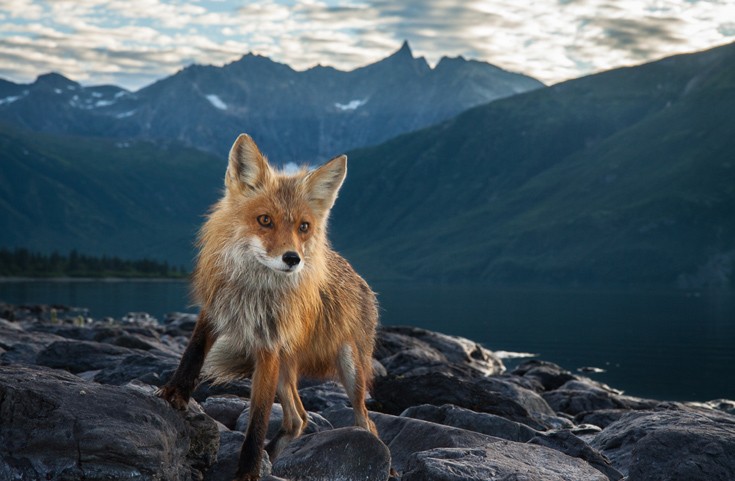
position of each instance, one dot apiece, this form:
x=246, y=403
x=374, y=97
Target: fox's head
x=279, y=218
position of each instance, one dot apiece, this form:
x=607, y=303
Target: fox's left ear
x=323, y=183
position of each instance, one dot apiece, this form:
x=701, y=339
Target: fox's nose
x=291, y=258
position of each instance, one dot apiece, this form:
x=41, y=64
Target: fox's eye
x=265, y=220
x=304, y=227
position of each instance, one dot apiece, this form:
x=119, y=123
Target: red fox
x=276, y=301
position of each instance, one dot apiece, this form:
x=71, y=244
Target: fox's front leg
x=178, y=389
x=263, y=393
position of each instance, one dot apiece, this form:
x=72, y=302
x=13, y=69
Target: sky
x=132, y=43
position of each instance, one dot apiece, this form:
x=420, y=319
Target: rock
x=672, y=445
x=405, y=349
x=239, y=387
x=602, y=417
x=396, y=394
x=316, y=422
x=142, y=319
x=79, y=356
x=345, y=454
x=145, y=367
x=504, y=460
x=547, y=375
x=21, y=346
x=571, y=445
x=228, y=455
x=579, y=396
x=179, y=324
x=323, y=396
x=225, y=409
x=484, y=423
x=53, y=425
x=405, y=436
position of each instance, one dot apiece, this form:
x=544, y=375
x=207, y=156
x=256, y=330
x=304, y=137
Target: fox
x=276, y=301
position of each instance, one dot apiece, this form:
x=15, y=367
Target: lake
x=670, y=345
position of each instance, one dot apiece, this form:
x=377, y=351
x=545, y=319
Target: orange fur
x=274, y=321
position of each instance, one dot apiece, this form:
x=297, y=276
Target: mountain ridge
x=297, y=115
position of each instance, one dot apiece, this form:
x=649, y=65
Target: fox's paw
x=173, y=396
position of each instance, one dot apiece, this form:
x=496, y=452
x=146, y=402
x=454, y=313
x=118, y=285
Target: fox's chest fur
x=255, y=308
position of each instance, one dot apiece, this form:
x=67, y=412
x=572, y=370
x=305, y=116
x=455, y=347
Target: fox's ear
x=248, y=169
x=324, y=183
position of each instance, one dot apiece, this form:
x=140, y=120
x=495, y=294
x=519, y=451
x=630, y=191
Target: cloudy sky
x=134, y=42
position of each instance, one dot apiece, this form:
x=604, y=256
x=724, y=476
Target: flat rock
x=580, y=396
x=484, y=423
x=144, y=367
x=405, y=349
x=79, y=356
x=225, y=409
x=672, y=445
x=405, y=436
x=53, y=425
x=316, y=421
x=571, y=445
x=396, y=394
x=501, y=461
x=345, y=454
x=323, y=396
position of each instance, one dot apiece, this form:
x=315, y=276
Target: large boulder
x=676, y=445
x=483, y=423
x=345, y=454
x=403, y=350
x=53, y=425
x=501, y=461
x=397, y=393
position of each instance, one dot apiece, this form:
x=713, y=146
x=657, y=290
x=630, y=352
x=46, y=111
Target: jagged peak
x=405, y=50
x=54, y=79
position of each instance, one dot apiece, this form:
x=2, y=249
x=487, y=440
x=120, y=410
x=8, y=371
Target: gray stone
x=407, y=349
x=483, y=423
x=79, y=356
x=145, y=367
x=229, y=454
x=396, y=394
x=672, y=445
x=405, y=436
x=316, y=421
x=225, y=409
x=323, y=396
x=571, y=445
x=501, y=461
x=547, y=375
x=345, y=454
x=579, y=396
x=54, y=425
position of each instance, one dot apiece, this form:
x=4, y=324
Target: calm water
x=667, y=345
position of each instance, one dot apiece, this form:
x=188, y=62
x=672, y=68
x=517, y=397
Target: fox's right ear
x=248, y=169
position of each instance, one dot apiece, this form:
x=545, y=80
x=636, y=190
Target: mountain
x=104, y=197
x=625, y=177
x=301, y=117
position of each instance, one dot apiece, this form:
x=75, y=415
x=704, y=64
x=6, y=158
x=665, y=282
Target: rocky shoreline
x=77, y=402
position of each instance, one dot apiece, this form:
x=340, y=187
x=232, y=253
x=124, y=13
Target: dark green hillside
x=622, y=177
x=103, y=197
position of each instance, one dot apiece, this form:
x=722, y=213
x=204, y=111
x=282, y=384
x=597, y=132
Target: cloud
x=133, y=42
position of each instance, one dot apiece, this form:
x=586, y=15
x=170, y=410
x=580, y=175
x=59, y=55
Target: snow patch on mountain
x=351, y=105
x=216, y=102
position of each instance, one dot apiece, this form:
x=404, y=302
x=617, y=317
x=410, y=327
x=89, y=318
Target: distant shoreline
x=93, y=279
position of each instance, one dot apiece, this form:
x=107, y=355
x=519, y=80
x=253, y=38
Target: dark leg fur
x=178, y=389
x=265, y=380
